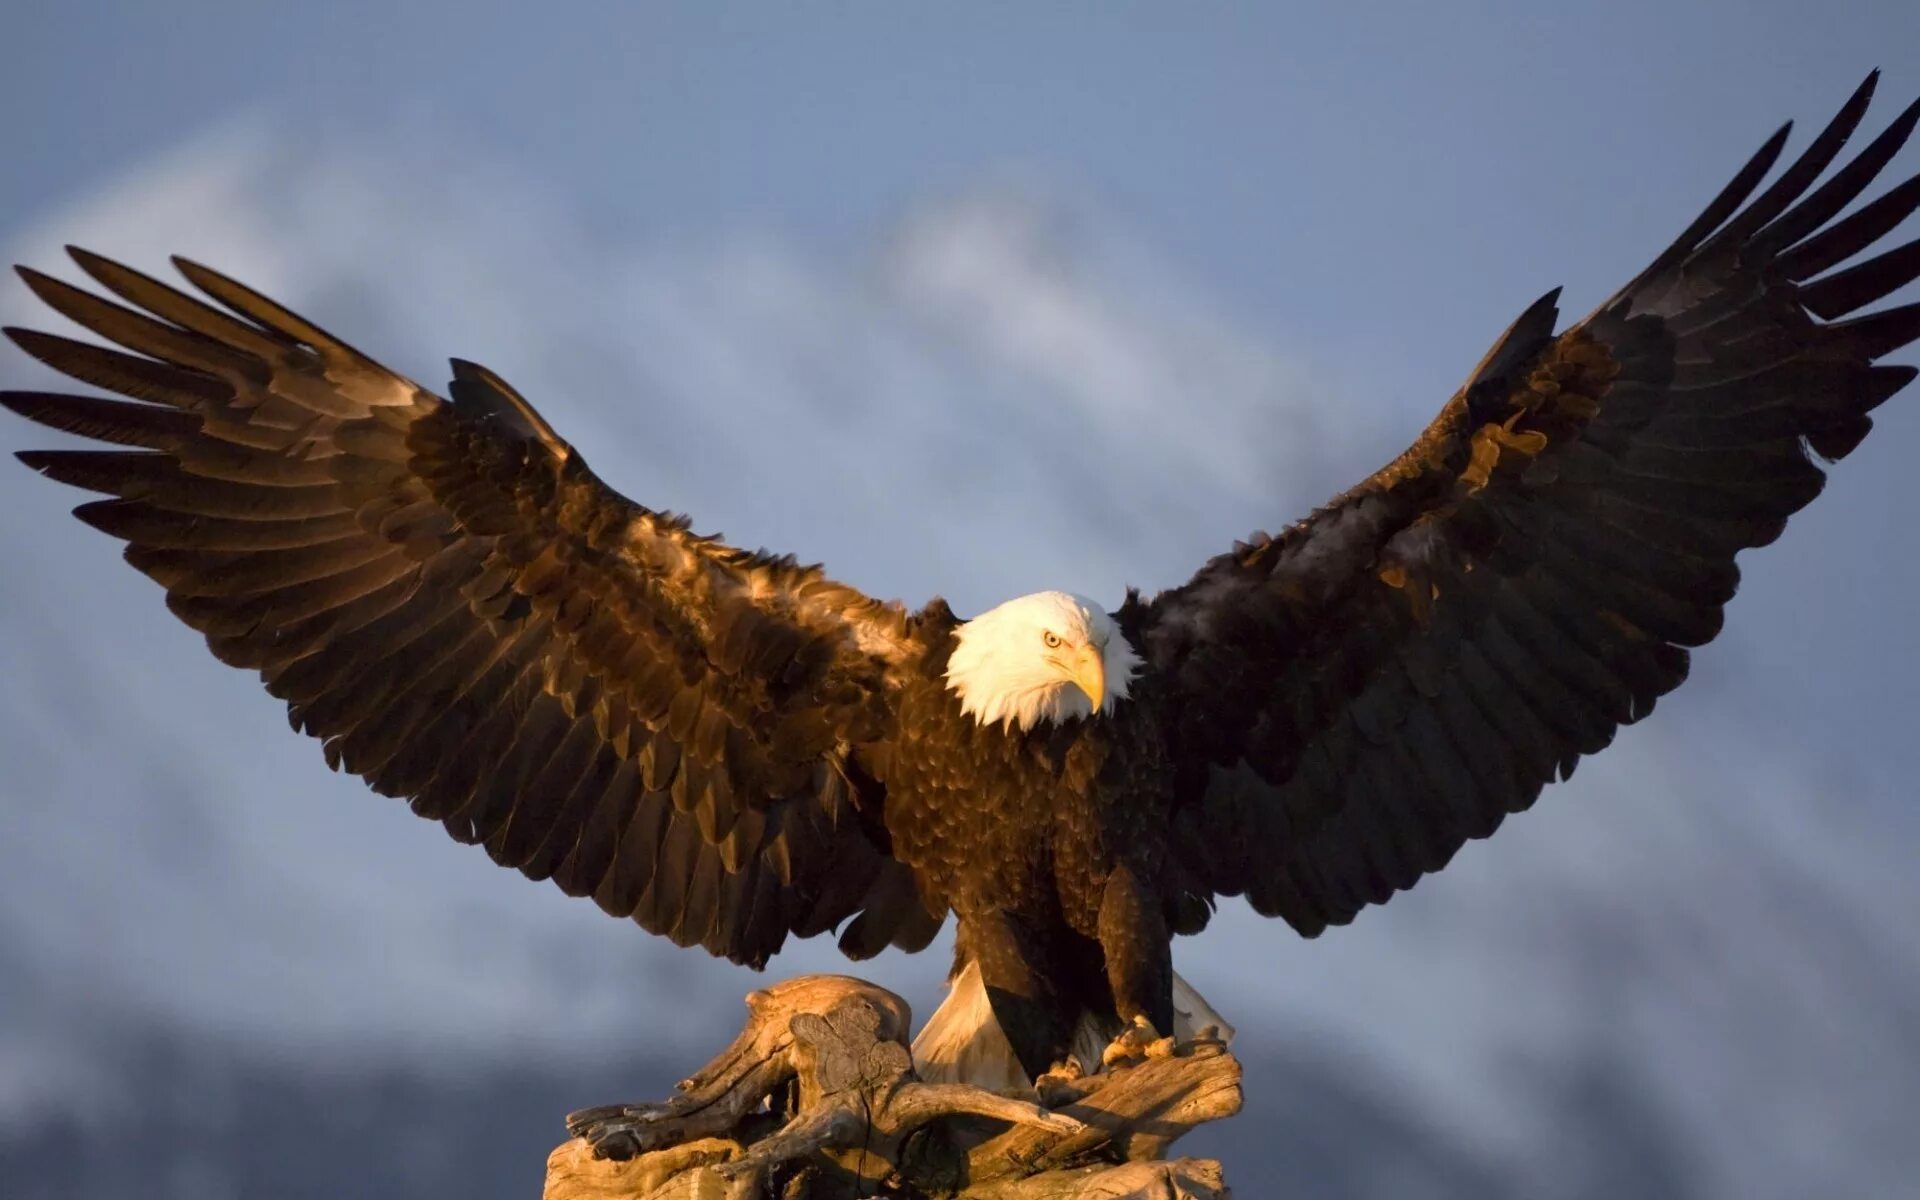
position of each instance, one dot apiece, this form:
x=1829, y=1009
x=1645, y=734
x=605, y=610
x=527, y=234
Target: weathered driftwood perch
x=817, y=1100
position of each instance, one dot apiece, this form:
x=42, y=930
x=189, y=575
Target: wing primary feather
x=138, y=521
x=1719, y=208
x=136, y=331
x=1856, y=287
x=1877, y=335
x=197, y=571
x=1800, y=175
x=1845, y=238
x=141, y=378
x=146, y=425
x=1838, y=191
x=268, y=313
x=176, y=306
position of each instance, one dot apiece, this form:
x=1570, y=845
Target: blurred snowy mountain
x=1691, y=972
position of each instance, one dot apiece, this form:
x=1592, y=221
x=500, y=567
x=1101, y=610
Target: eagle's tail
x=962, y=1043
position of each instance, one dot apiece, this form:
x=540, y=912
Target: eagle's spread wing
x=446, y=596
x=1392, y=676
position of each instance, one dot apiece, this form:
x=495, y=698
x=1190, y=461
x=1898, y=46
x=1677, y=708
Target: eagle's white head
x=1051, y=656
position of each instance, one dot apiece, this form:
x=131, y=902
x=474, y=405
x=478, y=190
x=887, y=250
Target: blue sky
x=826, y=278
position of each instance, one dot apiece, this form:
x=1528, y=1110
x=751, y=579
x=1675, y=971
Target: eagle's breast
x=1029, y=823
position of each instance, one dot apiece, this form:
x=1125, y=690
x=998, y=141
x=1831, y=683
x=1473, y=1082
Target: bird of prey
x=730, y=747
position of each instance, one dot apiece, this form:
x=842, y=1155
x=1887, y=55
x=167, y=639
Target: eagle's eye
x=1052, y=639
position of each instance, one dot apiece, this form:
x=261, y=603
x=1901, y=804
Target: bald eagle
x=730, y=747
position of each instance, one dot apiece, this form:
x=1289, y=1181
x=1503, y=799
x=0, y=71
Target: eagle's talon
x=621, y=1141
x=1134, y=1046
x=613, y=1142
x=619, y=1132
x=1061, y=1085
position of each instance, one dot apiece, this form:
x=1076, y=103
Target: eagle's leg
x=1134, y=938
x=1034, y=1011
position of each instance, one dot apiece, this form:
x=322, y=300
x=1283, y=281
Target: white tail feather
x=962, y=1043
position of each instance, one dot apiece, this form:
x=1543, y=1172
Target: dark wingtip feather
x=66, y=466
x=1862, y=95
x=254, y=306
x=100, y=514
x=1836, y=443
x=1877, y=335
x=1836, y=295
x=1887, y=381
x=1740, y=186
x=39, y=281
x=1799, y=176
x=1720, y=208
x=116, y=421
x=1837, y=192
x=1846, y=238
x=97, y=266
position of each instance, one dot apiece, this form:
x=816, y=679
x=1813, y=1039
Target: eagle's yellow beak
x=1090, y=674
